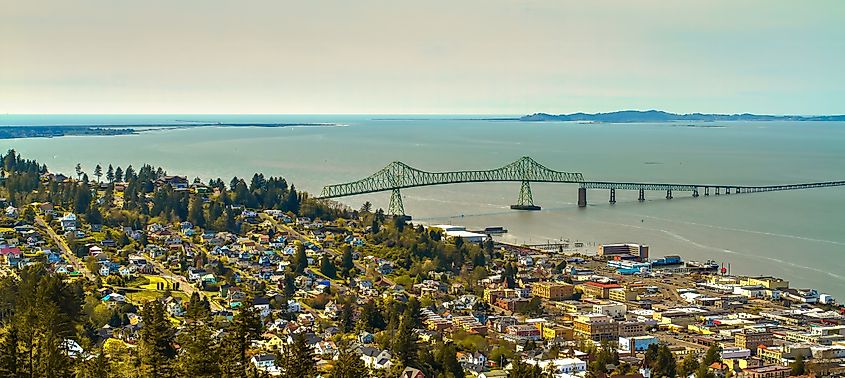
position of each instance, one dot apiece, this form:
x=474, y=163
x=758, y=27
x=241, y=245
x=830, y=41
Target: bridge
x=398, y=175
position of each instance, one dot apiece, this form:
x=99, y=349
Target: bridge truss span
x=398, y=175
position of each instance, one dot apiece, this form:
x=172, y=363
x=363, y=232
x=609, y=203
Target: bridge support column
x=695, y=193
x=612, y=196
x=727, y=190
x=582, y=197
x=396, y=207
x=706, y=190
x=526, y=199
x=717, y=190
x=642, y=195
x=737, y=190
x=669, y=194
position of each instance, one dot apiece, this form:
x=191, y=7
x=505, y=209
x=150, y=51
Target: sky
x=421, y=57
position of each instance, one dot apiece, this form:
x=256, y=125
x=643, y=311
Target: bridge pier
x=669, y=194
x=695, y=193
x=706, y=190
x=612, y=196
x=642, y=195
x=717, y=190
x=526, y=199
x=582, y=197
x=727, y=190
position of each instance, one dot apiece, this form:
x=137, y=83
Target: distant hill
x=661, y=116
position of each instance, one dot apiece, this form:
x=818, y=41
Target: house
x=176, y=182
x=68, y=222
x=12, y=212
x=265, y=362
x=375, y=358
x=410, y=372
x=262, y=305
x=105, y=270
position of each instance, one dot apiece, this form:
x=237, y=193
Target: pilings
x=642, y=195
x=669, y=194
x=582, y=197
x=612, y=196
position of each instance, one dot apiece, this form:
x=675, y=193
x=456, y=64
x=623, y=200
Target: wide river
x=798, y=235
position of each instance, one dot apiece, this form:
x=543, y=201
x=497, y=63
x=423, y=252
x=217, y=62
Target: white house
x=68, y=222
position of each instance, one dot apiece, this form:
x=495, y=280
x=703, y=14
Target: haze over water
x=797, y=235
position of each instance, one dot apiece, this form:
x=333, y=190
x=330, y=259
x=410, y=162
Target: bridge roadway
x=398, y=175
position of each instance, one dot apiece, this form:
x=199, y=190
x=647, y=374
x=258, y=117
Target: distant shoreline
x=52, y=131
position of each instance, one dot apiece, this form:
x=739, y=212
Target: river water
x=798, y=235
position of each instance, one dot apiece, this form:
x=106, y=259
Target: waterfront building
x=639, y=251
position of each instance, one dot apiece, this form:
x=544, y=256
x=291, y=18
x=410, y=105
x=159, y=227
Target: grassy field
x=153, y=282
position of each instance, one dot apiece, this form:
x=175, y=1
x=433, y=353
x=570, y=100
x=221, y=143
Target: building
x=68, y=222
x=772, y=371
x=597, y=289
x=552, y=291
x=612, y=309
x=637, y=250
x=596, y=327
x=453, y=232
x=765, y=281
x=636, y=343
x=752, y=338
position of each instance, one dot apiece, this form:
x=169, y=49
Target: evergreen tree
x=297, y=361
x=300, y=259
x=704, y=372
x=349, y=364
x=155, y=344
x=347, y=263
x=404, y=346
x=199, y=354
x=327, y=267
x=110, y=174
x=798, y=367
x=664, y=364
x=347, y=314
x=712, y=355
x=195, y=213
x=98, y=172
x=118, y=174
x=520, y=369
x=688, y=365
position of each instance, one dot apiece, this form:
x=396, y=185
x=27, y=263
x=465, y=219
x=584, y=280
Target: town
x=122, y=272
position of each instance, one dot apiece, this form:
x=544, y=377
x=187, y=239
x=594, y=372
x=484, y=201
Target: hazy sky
x=431, y=56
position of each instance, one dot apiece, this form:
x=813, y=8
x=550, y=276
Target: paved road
x=184, y=285
x=60, y=241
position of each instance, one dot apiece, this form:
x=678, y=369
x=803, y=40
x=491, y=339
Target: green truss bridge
x=398, y=175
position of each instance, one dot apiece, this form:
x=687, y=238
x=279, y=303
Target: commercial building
x=596, y=327
x=612, y=309
x=552, y=291
x=765, y=281
x=752, y=338
x=637, y=250
x=773, y=371
x=453, y=232
x=636, y=343
x=597, y=289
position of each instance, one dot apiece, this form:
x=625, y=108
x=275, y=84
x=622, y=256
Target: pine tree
x=327, y=267
x=798, y=367
x=405, y=342
x=297, y=361
x=199, y=353
x=110, y=174
x=300, y=259
x=688, y=365
x=349, y=364
x=347, y=263
x=98, y=172
x=196, y=214
x=118, y=174
x=712, y=355
x=156, y=341
x=347, y=315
